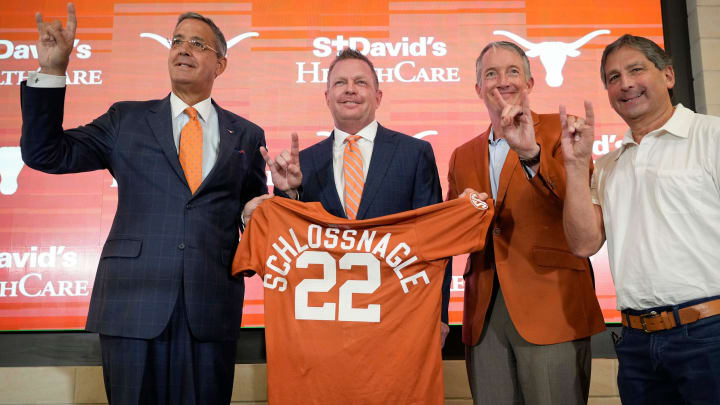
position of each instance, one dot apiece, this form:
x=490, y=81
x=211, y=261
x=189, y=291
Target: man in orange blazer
x=530, y=305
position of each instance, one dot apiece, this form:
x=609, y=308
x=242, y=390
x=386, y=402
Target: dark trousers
x=174, y=368
x=677, y=366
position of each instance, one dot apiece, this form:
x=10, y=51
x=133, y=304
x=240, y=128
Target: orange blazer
x=548, y=291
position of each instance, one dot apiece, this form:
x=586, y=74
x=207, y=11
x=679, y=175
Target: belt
x=654, y=321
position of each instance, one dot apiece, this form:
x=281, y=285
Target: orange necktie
x=353, y=174
x=191, y=148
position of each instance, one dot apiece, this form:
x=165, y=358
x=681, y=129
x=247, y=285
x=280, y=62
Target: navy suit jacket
x=402, y=176
x=164, y=240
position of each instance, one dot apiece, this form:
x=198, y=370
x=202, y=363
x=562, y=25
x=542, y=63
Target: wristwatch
x=530, y=162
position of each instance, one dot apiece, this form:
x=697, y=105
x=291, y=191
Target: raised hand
x=578, y=135
x=55, y=43
x=285, y=167
x=517, y=125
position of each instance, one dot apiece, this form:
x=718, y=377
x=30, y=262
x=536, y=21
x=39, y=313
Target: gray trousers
x=503, y=368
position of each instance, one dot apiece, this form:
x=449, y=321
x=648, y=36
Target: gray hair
x=504, y=45
x=220, y=43
x=650, y=49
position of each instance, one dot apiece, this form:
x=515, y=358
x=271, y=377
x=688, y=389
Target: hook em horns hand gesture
x=517, y=125
x=578, y=135
x=55, y=43
x=285, y=168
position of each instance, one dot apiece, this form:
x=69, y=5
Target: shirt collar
x=678, y=125
x=491, y=137
x=368, y=133
x=177, y=107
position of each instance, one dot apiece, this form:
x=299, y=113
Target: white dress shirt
x=660, y=201
x=365, y=144
x=206, y=114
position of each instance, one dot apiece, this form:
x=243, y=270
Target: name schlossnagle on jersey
x=334, y=239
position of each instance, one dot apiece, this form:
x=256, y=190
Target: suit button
x=497, y=230
x=181, y=246
x=188, y=206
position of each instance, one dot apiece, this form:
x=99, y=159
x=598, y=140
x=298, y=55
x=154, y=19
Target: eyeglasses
x=195, y=45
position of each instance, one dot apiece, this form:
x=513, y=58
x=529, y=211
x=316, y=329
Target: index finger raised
x=563, y=116
x=525, y=101
x=266, y=156
x=294, y=144
x=499, y=98
x=40, y=23
x=71, y=19
x=589, y=114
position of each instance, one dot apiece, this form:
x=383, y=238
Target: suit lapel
x=481, y=151
x=382, y=154
x=506, y=174
x=325, y=176
x=160, y=120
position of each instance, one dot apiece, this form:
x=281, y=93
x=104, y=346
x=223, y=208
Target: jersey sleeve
x=250, y=253
x=458, y=226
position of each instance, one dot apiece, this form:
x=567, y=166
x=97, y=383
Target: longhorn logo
x=166, y=42
x=552, y=54
x=11, y=164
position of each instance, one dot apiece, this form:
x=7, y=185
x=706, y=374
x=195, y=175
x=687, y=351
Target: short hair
x=650, y=49
x=220, y=43
x=505, y=45
x=349, y=53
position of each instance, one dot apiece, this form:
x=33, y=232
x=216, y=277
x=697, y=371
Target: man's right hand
x=55, y=43
x=285, y=168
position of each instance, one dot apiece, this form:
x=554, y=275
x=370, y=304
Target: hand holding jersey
x=340, y=293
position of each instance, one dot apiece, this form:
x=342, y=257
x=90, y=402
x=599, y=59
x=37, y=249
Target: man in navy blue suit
x=398, y=171
x=164, y=303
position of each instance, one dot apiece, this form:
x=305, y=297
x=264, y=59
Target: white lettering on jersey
x=331, y=238
x=299, y=248
x=400, y=257
x=269, y=264
x=275, y=281
x=348, y=237
x=286, y=248
x=381, y=247
x=414, y=279
x=346, y=311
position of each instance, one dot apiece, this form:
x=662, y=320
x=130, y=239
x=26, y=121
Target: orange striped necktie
x=353, y=174
x=191, y=149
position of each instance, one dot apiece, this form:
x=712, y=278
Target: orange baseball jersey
x=352, y=308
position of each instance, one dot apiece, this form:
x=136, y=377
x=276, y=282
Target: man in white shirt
x=164, y=302
x=657, y=201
